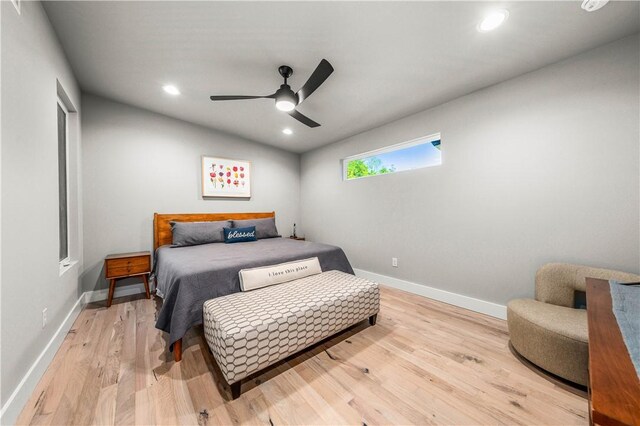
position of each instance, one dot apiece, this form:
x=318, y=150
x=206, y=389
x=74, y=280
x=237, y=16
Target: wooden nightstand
x=125, y=265
x=297, y=238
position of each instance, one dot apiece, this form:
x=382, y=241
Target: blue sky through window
x=414, y=156
x=423, y=155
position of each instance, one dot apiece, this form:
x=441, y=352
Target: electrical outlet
x=394, y=262
x=44, y=317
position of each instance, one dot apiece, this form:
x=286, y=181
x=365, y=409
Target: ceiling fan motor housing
x=286, y=99
x=284, y=93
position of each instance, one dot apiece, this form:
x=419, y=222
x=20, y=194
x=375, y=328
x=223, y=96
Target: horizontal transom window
x=415, y=154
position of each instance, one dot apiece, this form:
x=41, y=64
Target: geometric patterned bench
x=249, y=331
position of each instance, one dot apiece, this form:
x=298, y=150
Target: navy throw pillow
x=240, y=235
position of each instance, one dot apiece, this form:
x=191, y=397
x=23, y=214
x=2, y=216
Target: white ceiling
x=391, y=59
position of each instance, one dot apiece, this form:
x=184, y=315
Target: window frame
x=66, y=262
x=395, y=147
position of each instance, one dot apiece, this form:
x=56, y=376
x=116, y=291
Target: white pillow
x=264, y=276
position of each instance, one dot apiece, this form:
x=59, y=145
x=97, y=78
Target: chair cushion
x=553, y=337
x=567, y=322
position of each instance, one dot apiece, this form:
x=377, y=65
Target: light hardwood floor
x=424, y=362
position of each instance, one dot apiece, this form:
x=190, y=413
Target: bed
x=186, y=277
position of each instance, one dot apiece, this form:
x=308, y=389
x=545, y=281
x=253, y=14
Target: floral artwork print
x=222, y=177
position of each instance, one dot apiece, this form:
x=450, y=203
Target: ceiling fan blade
x=303, y=118
x=321, y=73
x=240, y=97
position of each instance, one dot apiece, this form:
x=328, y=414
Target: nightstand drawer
x=120, y=267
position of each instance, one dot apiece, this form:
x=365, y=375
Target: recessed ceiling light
x=287, y=131
x=593, y=5
x=171, y=89
x=493, y=20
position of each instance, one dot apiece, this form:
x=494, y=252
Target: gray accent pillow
x=265, y=228
x=194, y=233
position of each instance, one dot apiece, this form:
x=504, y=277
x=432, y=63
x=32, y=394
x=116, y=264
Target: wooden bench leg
x=235, y=390
x=372, y=319
x=177, y=351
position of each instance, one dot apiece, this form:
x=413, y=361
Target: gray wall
x=540, y=168
x=136, y=163
x=32, y=60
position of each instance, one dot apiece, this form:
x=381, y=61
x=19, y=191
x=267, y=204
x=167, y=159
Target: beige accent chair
x=548, y=331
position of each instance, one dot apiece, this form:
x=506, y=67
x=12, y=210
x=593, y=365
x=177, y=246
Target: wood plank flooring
x=424, y=362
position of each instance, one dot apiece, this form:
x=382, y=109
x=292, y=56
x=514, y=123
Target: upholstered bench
x=249, y=331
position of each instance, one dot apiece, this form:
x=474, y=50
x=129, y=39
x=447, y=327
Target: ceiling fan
x=286, y=99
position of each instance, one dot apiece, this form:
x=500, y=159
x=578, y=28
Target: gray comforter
x=188, y=276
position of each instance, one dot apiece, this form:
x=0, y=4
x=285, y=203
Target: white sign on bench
x=264, y=276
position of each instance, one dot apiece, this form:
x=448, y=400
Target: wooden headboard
x=162, y=228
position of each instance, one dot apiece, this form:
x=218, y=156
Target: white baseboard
x=97, y=295
x=20, y=396
x=477, y=305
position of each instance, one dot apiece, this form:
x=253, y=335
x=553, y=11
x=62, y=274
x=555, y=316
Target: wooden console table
x=614, y=386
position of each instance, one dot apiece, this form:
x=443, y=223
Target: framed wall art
x=223, y=177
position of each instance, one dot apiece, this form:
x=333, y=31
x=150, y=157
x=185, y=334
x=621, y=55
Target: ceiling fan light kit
x=286, y=99
x=285, y=105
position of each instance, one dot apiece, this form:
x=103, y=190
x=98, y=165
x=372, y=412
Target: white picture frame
x=225, y=177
